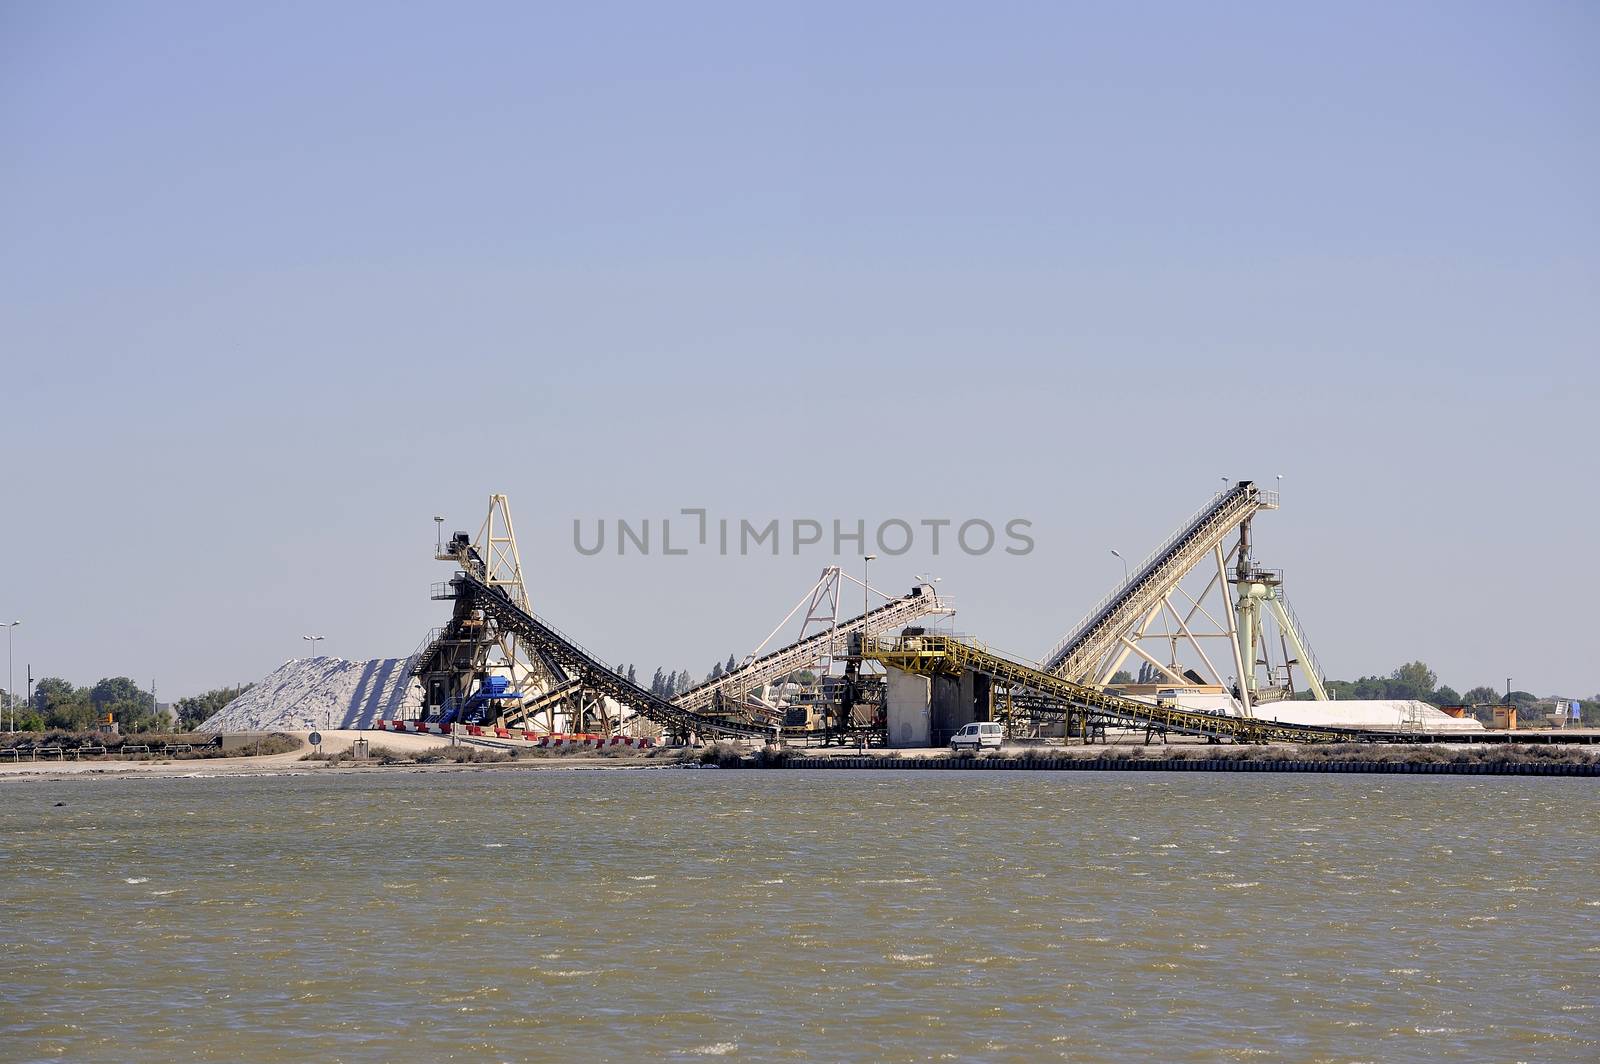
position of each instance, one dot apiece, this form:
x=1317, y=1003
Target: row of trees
x=1416, y=680
x=668, y=684
x=1412, y=680
x=193, y=710
x=58, y=703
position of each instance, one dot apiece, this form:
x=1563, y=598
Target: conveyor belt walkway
x=579, y=663
x=943, y=654
x=797, y=655
x=1081, y=650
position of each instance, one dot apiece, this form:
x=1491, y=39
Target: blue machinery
x=488, y=703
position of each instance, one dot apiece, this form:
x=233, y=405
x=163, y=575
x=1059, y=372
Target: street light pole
x=1124, y=562
x=865, y=605
x=11, y=696
x=438, y=534
x=313, y=640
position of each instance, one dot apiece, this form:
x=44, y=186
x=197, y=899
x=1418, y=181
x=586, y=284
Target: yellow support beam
x=948, y=656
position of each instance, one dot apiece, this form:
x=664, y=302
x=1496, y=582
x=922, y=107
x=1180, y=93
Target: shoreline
x=1481, y=761
x=1182, y=764
x=420, y=753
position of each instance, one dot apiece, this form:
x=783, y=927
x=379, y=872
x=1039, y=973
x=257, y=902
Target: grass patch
x=382, y=755
x=722, y=754
x=463, y=755
x=275, y=743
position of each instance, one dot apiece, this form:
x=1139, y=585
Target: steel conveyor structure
x=493, y=629
x=1080, y=655
x=581, y=665
x=919, y=603
x=946, y=655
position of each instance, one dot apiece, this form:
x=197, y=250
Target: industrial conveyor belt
x=1080, y=651
x=942, y=654
x=785, y=660
x=595, y=674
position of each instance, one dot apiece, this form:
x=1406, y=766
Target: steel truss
x=1214, y=635
x=949, y=656
x=564, y=687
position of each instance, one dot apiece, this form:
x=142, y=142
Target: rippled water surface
x=556, y=915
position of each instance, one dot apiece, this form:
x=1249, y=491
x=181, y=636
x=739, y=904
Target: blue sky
x=280, y=283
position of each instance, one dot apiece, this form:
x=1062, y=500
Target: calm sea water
x=536, y=915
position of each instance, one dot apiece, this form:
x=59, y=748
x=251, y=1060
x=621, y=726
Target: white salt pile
x=1383, y=714
x=322, y=693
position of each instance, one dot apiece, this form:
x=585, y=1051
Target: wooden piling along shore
x=1474, y=767
x=1196, y=765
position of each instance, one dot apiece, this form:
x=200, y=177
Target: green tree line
x=1416, y=680
x=59, y=703
x=670, y=683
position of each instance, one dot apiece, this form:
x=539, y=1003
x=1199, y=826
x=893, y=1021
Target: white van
x=977, y=736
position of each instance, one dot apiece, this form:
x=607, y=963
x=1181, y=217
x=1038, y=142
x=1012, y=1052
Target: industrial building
x=1220, y=652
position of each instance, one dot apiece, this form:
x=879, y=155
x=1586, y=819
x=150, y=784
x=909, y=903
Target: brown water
x=535, y=915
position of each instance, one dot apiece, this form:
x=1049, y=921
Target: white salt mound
x=326, y=692
x=1382, y=714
